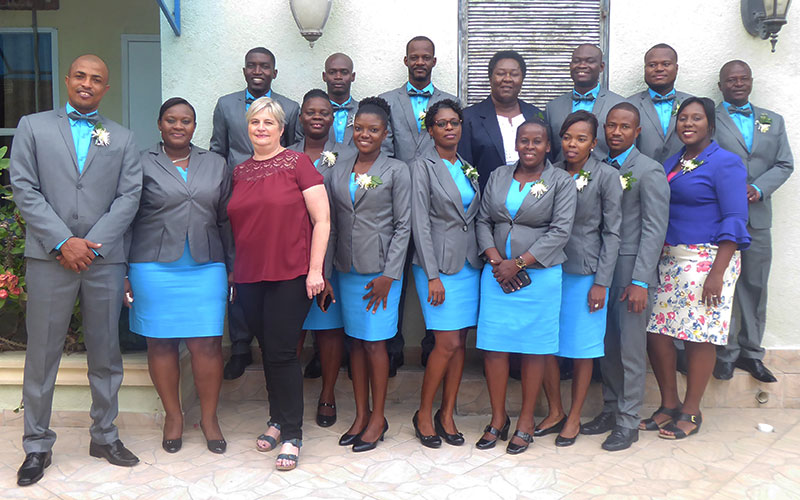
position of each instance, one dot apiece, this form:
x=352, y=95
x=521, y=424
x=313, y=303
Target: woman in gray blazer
x=444, y=204
x=524, y=223
x=181, y=250
x=591, y=257
x=370, y=229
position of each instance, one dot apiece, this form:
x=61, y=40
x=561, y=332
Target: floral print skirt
x=677, y=309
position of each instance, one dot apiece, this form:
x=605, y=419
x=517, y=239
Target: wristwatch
x=520, y=262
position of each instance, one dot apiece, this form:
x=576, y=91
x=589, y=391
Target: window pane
x=18, y=76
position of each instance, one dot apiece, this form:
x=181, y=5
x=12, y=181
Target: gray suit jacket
x=652, y=142
x=229, y=138
x=593, y=245
x=352, y=108
x=372, y=234
x=769, y=163
x=57, y=202
x=404, y=140
x=334, y=147
x=559, y=108
x=444, y=235
x=645, y=214
x=542, y=225
x=172, y=210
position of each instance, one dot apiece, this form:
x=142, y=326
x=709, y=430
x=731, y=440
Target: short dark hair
x=627, y=107
x=261, y=50
x=430, y=115
x=708, y=109
x=662, y=46
x=316, y=93
x=375, y=106
x=507, y=54
x=174, y=101
x=421, y=38
x=534, y=121
x=579, y=116
x=735, y=62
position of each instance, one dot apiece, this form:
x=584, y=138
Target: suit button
x=465, y=228
x=75, y=216
x=79, y=186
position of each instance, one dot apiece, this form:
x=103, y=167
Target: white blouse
x=508, y=129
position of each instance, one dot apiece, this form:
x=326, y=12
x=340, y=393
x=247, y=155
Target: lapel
x=341, y=186
x=502, y=186
x=530, y=200
x=679, y=98
x=166, y=164
x=66, y=134
x=239, y=111
x=561, y=108
x=196, y=167
x=93, y=147
x=380, y=166
x=442, y=174
x=756, y=134
x=650, y=110
x=489, y=121
x=703, y=156
x=475, y=206
x=408, y=111
x=629, y=162
x=724, y=119
x=600, y=103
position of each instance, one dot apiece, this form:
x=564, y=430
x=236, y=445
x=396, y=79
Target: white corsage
x=539, y=188
x=350, y=120
x=626, y=181
x=421, y=118
x=689, y=165
x=469, y=171
x=763, y=123
x=583, y=179
x=367, y=181
x=101, y=135
x=329, y=158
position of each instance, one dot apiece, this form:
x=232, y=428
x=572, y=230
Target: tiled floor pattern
x=728, y=459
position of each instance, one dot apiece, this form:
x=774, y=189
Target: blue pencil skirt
x=329, y=320
x=525, y=321
x=461, y=294
x=581, y=334
x=360, y=323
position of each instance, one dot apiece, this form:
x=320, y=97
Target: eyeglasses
x=444, y=123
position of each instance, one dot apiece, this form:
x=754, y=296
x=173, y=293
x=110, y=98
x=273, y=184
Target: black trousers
x=274, y=312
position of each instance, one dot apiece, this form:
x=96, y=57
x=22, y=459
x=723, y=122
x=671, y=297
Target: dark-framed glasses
x=445, y=123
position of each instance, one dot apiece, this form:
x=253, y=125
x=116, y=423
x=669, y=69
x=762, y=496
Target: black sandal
x=649, y=424
x=485, y=444
x=677, y=432
x=516, y=449
x=326, y=420
x=269, y=439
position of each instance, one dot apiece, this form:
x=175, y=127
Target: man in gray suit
x=230, y=140
x=76, y=179
x=339, y=77
x=658, y=105
x=645, y=214
x=759, y=137
x=584, y=68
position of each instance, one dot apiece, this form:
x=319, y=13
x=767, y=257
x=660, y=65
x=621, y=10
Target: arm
x=219, y=135
x=223, y=222
x=319, y=210
x=401, y=220
x=730, y=187
x=331, y=249
x=546, y=249
x=611, y=200
x=484, y=226
x=777, y=174
x=421, y=218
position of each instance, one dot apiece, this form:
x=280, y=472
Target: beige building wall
x=93, y=26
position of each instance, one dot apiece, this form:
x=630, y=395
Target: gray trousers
x=625, y=362
x=749, y=317
x=52, y=291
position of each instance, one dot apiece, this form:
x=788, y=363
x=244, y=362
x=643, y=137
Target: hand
x=231, y=288
x=597, y=298
x=506, y=275
x=323, y=296
x=128, y=299
x=636, y=296
x=435, y=292
x=712, y=290
x=378, y=291
x=752, y=194
x=76, y=254
x=315, y=283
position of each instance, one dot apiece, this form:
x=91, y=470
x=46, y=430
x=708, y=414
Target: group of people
x=599, y=228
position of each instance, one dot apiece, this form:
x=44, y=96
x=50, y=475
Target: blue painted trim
x=174, y=17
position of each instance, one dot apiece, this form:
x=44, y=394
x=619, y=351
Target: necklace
x=179, y=159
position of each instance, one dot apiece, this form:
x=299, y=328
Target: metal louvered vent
x=545, y=32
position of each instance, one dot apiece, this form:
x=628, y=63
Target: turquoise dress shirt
x=248, y=95
x=340, y=118
x=663, y=108
x=81, y=135
x=745, y=124
x=419, y=103
x=462, y=183
x=585, y=105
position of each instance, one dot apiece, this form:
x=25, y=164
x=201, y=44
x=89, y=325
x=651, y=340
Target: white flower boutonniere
x=421, y=119
x=329, y=158
x=470, y=171
x=100, y=135
x=366, y=181
x=689, y=165
x=627, y=180
x=539, y=188
x=763, y=123
x=675, y=107
x=583, y=179
x=350, y=120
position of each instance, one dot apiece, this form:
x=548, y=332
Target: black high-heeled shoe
x=217, y=446
x=456, y=439
x=349, y=439
x=485, y=444
x=360, y=445
x=539, y=431
x=172, y=445
x=432, y=441
x=516, y=449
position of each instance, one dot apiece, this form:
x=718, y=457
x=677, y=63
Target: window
x=544, y=31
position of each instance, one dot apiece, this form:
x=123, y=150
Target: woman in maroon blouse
x=280, y=218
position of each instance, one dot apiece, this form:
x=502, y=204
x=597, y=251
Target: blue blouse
x=513, y=202
x=465, y=188
x=353, y=187
x=709, y=203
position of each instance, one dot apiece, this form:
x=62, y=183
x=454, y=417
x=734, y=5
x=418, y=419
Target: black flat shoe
x=432, y=441
x=32, y=468
x=360, y=445
x=115, y=453
x=756, y=368
x=172, y=445
x=516, y=449
x=539, y=432
x=562, y=441
x=326, y=420
x=485, y=444
x=456, y=439
x=649, y=424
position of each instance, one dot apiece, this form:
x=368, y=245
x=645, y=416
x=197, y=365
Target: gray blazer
x=645, y=214
x=651, y=141
x=593, y=245
x=229, y=138
x=57, y=202
x=372, y=234
x=172, y=210
x=352, y=108
x=444, y=235
x=323, y=168
x=542, y=225
x=404, y=140
x=769, y=163
x=559, y=108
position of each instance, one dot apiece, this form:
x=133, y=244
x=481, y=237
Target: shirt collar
x=593, y=92
x=653, y=93
x=411, y=88
x=248, y=95
x=727, y=105
x=71, y=109
x=622, y=156
x=344, y=104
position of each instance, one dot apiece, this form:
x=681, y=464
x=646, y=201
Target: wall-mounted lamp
x=311, y=16
x=764, y=18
